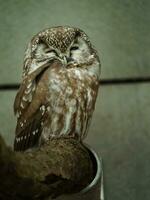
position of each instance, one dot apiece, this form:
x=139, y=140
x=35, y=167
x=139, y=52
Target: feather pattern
x=28, y=129
x=59, y=89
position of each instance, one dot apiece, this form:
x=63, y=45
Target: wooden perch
x=59, y=167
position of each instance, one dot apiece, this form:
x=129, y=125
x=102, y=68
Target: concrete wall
x=120, y=31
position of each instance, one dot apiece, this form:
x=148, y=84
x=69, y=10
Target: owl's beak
x=69, y=59
x=65, y=60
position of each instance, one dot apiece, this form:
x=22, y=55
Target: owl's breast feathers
x=71, y=100
x=52, y=102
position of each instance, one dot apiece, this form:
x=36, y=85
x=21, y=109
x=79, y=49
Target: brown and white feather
x=56, y=99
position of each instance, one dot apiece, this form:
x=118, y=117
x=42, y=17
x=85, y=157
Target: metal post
x=95, y=190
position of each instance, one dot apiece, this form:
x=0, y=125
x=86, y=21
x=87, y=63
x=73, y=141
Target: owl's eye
x=50, y=51
x=74, y=48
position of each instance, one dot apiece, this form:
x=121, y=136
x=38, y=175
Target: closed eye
x=74, y=48
x=51, y=51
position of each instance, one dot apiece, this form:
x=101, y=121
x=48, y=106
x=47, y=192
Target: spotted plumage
x=59, y=87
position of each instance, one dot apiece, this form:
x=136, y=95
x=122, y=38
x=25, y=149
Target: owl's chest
x=70, y=82
x=71, y=100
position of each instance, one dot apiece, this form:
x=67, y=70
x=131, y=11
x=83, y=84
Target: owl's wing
x=30, y=106
x=28, y=136
x=29, y=122
x=27, y=88
x=27, y=105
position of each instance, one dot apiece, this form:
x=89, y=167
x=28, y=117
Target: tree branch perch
x=59, y=167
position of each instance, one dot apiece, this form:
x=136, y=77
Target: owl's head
x=67, y=44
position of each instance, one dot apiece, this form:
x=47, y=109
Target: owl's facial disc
x=79, y=51
x=44, y=52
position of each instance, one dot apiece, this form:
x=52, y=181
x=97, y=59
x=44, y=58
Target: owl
x=59, y=87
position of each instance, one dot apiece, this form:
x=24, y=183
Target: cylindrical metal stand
x=95, y=190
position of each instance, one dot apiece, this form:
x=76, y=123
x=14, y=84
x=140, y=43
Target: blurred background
x=120, y=31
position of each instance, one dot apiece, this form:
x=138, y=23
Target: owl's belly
x=71, y=101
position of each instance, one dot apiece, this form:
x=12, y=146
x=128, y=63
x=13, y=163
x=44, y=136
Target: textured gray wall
x=120, y=31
